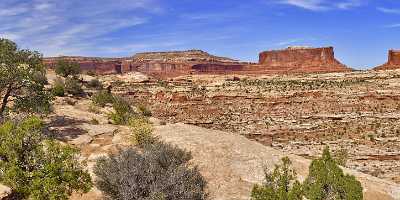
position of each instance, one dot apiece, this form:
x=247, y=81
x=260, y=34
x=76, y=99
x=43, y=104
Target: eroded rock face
x=94, y=64
x=177, y=63
x=302, y=59
x=393, y=61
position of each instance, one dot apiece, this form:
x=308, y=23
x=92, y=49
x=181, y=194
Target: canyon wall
x=393, y=61
x=94, y=64
x=178, y=63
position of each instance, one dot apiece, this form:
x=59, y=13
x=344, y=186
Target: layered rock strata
x=393, y=61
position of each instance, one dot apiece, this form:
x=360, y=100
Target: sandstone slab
x=232, y=164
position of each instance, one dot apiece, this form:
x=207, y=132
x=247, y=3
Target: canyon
x=178, y=63
x=300, y=114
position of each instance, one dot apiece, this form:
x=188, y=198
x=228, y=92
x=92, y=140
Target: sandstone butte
x=177, y=63
x=393, y=61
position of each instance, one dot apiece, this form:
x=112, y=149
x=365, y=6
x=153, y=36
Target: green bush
x=122, y=112
x=67, y=68
x=141, y=131
x=38, y=168
x=280, y=184
x=91, y=73
x=58, y=89
x=102, y=98
x=326, y=180
x=158, y=171
x=144, y=111
x=341, y=156
x=95, y=83
x=73, y=86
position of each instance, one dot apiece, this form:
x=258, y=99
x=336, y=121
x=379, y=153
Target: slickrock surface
x=358, y=112
x=232, y=164
x=393, y=61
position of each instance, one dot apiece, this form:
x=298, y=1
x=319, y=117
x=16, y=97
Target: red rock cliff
x=301, y=59
x=97, y=65
x=393, y=61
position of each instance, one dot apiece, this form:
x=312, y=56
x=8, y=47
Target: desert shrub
x=73, y=86
x=158, y=171
x=67, y=68
x=91, y=73
x=280, y=184
x=341, y=156
x=144, y=110
x=122, y=111
x=326, y=180
x=94, y=109
x=94, y=121
x=95, y=83
x=141, y=131
x=102, y=98
x=38, y=168
x=58, y=89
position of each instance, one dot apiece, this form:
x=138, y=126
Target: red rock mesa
x=177, y=63
x=301, y=59
x=393, y=61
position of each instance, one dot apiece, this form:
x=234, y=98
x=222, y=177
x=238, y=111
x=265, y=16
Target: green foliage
x=22, y=78
x=326, y=180
x=141, y=131
x=67, y=68
x=91, y=73
x=58, y=89
x=341, y=156
x=95, y=83
x=158, y=171
x=102, y=98
x=281, y=184
x=144, y=110
x=122, y=112
x=73, y=86
x=38, y=168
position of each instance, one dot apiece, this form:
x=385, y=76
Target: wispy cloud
x=323, y=5
x=288, y=42
x=70, y=27
x=393, y=26
x=389, y=10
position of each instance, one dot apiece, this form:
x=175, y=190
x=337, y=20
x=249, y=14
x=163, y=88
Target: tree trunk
x=5, y=100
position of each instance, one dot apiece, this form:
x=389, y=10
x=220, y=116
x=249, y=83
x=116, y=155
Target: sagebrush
x=158, y=171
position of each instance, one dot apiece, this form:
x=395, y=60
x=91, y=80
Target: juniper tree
x=280, y=184
x=22, y=80
x=67, y=68
x=326, y=180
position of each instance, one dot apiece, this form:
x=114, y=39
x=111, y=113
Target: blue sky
x=362, y=31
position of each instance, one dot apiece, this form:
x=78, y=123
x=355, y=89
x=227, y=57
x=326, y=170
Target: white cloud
x=389, y=10
x=393, y=26
x=323, y=5
x=315, y=5
x=288, y=42
x=349, y=4
x=69, y=27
